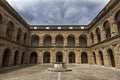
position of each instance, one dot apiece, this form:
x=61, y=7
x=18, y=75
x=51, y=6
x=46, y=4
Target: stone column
x=19, y=58
x=53, y=56
x=88, y=41
x=4, y=26
x=53, y=40
x=113, y=27
x=22, y=38
x=97, y=58
x=41, y=41
x=95, y=39
x=77, y=57
x=65, y=56
x=76, y=41
x=89, y=59
x=117, y=59
x=65, y=41
x=27, y=59
x=103, y=34
x=39, y=57
x=14, y=34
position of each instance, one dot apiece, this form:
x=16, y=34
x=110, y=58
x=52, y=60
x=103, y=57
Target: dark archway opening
x=23, y=58
x=101, y=59
x=46, y=57
x=16, y=58
x=111, y=57
x=6, y=58
x=59, y=57
x=94, y=56
x=84, y=58
x=33, y=58
x=72, y=57
x=59, y=40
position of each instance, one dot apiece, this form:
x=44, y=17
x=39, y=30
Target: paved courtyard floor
x=79, y=72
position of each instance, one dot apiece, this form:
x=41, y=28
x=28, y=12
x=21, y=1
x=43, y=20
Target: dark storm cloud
x=58, y=11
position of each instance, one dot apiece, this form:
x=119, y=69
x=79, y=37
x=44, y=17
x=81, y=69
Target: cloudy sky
x=52, y=12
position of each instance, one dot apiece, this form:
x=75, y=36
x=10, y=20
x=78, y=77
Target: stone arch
x=46, y=57
x=101, y=59
x=71, y=57
x=111, y=59
x=94, y=58
x=59, y=57
x=10, y=29
x=6, y=58
x=84, y=58
x=106, y=26
x=98, y=34
x=71, y=40
x=47, y=40
x=59, y=40
x=92, y=37
x=35, y=40
x=1, y=18
x=16, y=58
x=19, y=32
x=83, y=41
x=23, y=58
x=117, y=19
x=33, y=58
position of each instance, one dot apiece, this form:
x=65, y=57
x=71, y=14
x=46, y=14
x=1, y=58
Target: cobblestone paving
x=79, y=72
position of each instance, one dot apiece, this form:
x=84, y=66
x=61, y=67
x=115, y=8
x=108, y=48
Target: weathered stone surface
x=79, y=72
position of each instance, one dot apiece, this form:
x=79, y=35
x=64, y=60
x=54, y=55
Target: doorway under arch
x=101, y=59
x=33, y=58
x=46, y=57
x=6, y=58
x=84, y=58
x=59, y=57
x=16, y=58
x=111, y=59
x=71, y=57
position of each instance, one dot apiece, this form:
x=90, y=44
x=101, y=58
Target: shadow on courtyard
x=15, y=68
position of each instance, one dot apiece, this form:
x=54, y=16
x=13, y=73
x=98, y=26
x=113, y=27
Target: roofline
x=14, y=13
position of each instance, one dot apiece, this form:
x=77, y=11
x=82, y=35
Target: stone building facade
x=96, y=43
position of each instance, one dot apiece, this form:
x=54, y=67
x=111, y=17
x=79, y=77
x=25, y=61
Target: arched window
x=1, y=19
x=59, y=40
x=47, y=40
x=16, y=58
x=101, y=59
x=111, y=59
x=71, y=57
x=84, y=57
x=6, y=58
x=71, y=40
x=106, y=27
x=92, y=37
x=25, y=38
x=98, y=34
x=59, y=57
x=33, y=58
x=46, y=57
x=19, y=32
x=117, y=19
x=94, y=57
x=9, y=30
x=35, y=40
x=83, y=41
